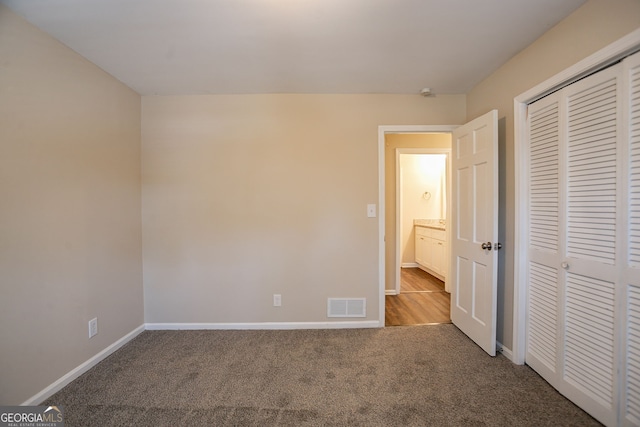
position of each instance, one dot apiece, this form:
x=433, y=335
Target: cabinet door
x=438, y=252
x=421, y=248
x=438, y=256
x=427, y=259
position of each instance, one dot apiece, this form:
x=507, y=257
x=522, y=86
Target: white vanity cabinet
x=422, y=246
x=431, y=250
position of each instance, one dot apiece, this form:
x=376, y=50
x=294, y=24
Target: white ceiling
x=169, y=47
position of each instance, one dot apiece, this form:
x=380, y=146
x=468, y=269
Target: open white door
x=474, y=233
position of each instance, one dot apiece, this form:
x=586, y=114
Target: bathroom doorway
x=422, y=299
x=421, y=210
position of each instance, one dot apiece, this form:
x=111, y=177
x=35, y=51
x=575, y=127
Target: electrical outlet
x=93, y=327
x=277, y=300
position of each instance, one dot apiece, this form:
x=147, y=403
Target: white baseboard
x=264, y=325
x=506, y=352
x=390, y=292
x=75, y=373
x=409, y=265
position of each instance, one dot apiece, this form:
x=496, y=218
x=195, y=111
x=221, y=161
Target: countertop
x=438, y=224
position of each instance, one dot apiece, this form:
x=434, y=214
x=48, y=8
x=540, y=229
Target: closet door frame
x=589, y=65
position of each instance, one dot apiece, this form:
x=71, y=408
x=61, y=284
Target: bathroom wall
x=420, y=174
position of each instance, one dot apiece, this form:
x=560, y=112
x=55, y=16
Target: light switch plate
x=371, y=210
x=93, y=327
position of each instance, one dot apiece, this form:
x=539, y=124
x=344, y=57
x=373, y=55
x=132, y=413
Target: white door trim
x=382, y=131
x=600, y=59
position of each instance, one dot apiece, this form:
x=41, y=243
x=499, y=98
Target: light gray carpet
x=397, y=376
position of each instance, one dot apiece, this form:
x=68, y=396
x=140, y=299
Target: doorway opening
x=414, y=188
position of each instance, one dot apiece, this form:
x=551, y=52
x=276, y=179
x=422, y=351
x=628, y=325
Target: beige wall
x=592, y=27
x=403, y=140
x=70, y=238
x=245, y=196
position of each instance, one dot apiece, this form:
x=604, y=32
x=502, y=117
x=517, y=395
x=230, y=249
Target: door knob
x=487, y=245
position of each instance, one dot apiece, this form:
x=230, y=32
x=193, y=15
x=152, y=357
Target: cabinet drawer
x=422, y=231
x=439, y=234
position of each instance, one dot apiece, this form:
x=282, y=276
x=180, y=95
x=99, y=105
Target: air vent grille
x=347, y=307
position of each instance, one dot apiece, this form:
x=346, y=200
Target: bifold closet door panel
x=631, y=296
x=544, y=233
x=592, y=260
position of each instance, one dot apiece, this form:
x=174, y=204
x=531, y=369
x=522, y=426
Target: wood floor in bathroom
x=422, y=300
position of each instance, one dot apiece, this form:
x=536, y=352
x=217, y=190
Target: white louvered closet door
x=583, y=323
x=544, y=237
x=592, y=259
x=630, y=313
